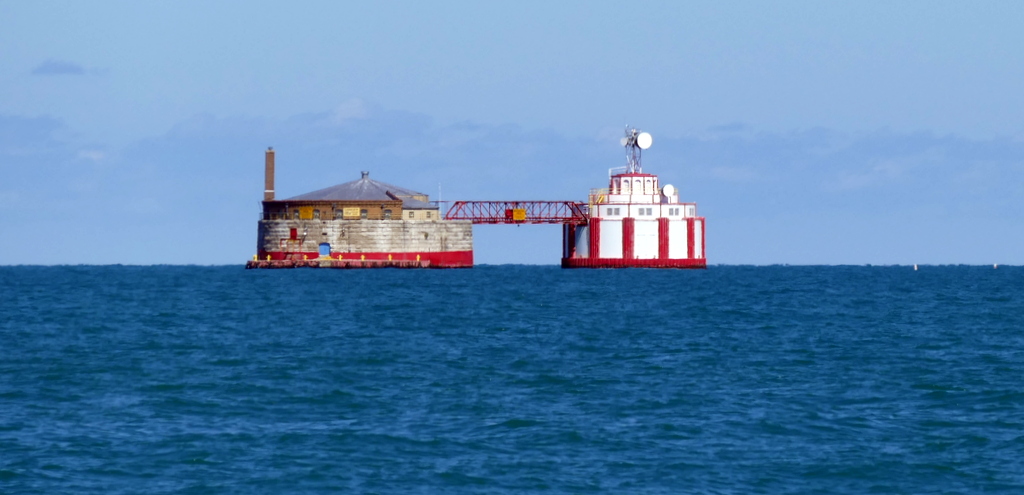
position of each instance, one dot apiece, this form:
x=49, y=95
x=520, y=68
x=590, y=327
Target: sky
x=807, y=132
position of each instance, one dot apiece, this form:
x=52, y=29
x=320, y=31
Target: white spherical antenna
x=644, y=140
x=668, y=190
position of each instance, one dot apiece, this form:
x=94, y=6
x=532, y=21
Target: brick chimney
x=268, y=192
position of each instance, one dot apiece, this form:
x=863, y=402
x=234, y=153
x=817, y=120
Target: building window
x=363, y=214
x=295, y=214
x=387, y=214
x=411, y=214
x=339, y=214
x=316, y=214
x=429, y=214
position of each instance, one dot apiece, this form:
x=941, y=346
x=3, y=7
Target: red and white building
x=635, y=222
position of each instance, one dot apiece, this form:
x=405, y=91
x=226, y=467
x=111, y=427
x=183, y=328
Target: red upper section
x=633, y=175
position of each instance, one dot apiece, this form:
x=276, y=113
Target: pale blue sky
x=809, y=132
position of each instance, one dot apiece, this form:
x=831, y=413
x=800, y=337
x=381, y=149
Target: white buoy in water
x=995, y=266
x=915, y=268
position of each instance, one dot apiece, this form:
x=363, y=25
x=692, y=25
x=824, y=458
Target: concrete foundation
x=364, y=243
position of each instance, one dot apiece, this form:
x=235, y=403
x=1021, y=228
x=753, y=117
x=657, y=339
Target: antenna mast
x=635, y=142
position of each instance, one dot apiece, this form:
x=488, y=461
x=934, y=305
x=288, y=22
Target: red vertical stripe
x=595, y=237
x=565, y=240
x=663, y=238
x=628, y=226
x=703, y=232
x=690, y=253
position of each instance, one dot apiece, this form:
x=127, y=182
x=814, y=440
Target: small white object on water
x=995, y=266
x=915, y=267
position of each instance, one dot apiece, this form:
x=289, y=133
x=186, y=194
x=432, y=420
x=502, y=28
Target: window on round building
x=362, y=214
x=387, y=214
x=295, y=214
x=316, y=214
x=411, y=214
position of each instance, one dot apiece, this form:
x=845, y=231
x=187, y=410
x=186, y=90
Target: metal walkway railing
x=519, y=212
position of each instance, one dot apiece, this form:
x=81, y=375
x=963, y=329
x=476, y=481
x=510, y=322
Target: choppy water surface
x=512, y=380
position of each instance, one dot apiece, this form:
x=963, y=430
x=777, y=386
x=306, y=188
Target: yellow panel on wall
x=306, y=212
x=350, y=212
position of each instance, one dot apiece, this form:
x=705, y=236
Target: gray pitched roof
x=366, y=189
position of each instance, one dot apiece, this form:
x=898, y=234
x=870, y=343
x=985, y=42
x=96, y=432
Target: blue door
x=325, y=249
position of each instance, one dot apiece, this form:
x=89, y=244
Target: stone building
x=362, y=223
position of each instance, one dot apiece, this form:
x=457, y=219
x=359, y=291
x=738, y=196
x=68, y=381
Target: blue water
x=148, y=380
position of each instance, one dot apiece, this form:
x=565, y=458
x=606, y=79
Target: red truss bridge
x=519, y=212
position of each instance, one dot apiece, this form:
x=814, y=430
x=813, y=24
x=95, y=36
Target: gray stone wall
x=366, y=236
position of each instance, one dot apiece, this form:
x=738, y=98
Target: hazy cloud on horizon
x=58, y=68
